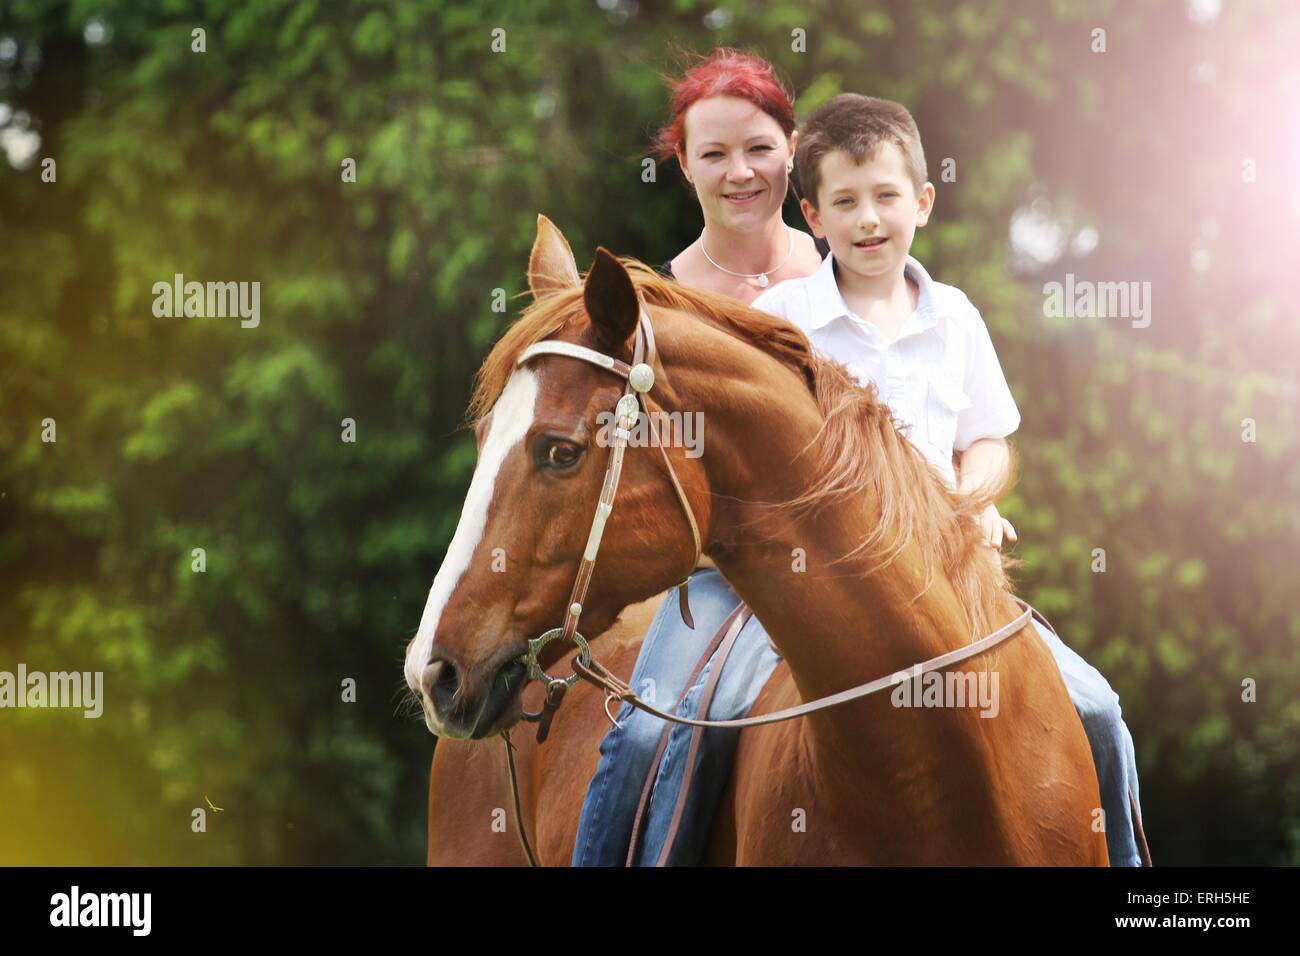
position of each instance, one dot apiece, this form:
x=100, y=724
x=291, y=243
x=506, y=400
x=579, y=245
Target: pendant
x=762, y=280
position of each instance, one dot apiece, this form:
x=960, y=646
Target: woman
x=736, y=148
x=733, y=135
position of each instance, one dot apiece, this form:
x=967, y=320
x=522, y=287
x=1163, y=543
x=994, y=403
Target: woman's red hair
x=724, y=72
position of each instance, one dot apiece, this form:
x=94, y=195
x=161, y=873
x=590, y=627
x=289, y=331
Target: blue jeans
x=669, y=655
x=1111, y=743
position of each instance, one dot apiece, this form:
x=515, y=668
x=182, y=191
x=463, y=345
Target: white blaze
x=511, y=417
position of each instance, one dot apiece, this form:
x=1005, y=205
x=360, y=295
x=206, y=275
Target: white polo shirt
x=940, y=377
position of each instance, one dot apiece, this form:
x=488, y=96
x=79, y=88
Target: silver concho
x=642, y=377
x=628, y=407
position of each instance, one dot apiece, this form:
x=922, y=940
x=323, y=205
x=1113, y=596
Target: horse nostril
x=440, y=682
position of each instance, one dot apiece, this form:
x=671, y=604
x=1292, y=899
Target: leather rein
x=640, y=377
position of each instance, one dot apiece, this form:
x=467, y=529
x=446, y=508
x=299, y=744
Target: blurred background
x=1171, y=158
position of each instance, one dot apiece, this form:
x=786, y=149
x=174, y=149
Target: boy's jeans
x=669, y=654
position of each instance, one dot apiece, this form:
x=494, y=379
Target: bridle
x=640, y=377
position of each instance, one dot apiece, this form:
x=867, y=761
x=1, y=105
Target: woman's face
x=736, y=156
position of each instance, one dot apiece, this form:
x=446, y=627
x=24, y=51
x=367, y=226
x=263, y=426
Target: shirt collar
x=827, y=302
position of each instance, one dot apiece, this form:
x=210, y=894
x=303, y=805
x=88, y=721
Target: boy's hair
x=858, y=125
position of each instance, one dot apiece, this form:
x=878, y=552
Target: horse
x=855, y=555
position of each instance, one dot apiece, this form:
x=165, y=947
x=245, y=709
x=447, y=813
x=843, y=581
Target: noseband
x=640, y=377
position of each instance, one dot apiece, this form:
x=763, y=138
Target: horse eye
x=559, y=455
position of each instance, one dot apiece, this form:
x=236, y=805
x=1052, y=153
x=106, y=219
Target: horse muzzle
x=461, y=705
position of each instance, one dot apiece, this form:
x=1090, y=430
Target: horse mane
x=860, y=449
x=554, y=312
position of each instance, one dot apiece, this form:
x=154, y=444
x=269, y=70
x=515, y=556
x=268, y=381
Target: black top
x=823, y=247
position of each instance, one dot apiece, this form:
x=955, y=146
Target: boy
x=874, y=308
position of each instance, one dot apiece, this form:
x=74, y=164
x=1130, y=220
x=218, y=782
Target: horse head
x=517, y=549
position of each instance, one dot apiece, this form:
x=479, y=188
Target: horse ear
x=610, y=298
x=551, y=266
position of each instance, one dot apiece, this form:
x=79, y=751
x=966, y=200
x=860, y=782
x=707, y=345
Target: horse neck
x=836, y=625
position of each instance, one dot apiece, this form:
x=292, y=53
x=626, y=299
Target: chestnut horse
x=825, y=520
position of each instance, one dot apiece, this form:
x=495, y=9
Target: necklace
x=760, y=276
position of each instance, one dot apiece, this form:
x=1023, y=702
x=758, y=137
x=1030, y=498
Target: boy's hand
x=994, y=526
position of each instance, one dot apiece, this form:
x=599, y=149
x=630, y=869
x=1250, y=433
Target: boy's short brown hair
x=858, y=125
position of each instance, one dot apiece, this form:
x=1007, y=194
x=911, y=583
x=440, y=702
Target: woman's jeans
x=669, y=655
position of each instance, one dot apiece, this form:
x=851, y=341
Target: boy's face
x=868, y=213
